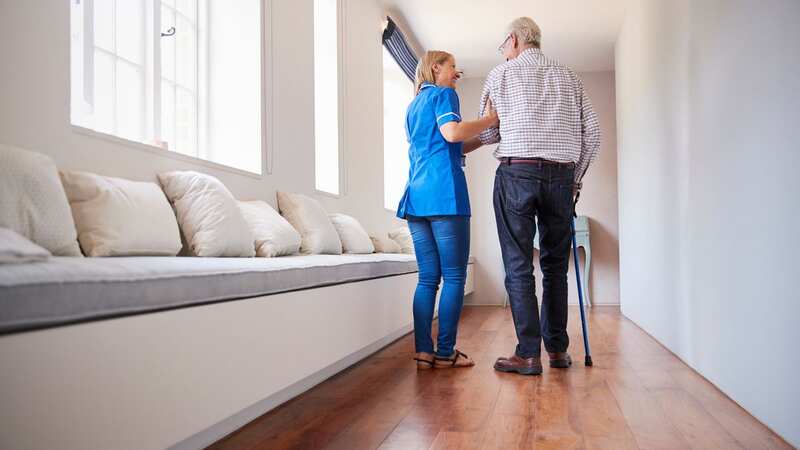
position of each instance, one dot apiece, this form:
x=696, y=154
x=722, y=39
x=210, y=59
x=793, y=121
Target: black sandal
x=453, y=360
x=421, y=363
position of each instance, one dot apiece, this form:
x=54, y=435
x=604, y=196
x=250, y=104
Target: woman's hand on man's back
x=491, y=113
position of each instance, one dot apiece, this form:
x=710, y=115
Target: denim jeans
x=522, y=194
x=441, y=244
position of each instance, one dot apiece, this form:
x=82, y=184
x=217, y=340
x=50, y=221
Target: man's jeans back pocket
x=519, y=192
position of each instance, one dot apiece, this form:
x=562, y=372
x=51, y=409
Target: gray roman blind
x=398, y=47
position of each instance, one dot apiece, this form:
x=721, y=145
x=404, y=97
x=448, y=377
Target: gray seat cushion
x=67, y=290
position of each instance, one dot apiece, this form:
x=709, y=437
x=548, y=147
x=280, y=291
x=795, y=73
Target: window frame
x=159, y=79
x=152, y=113
x=90, y=48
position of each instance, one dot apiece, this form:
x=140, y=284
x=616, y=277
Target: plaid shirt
x=544, y=112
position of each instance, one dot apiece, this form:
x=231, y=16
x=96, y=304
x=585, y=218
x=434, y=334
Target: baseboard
x=570, y=304
x=216, y=432
x=696, y=371
x=595, y=304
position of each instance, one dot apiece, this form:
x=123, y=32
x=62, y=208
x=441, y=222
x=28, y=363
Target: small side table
x=582, y=239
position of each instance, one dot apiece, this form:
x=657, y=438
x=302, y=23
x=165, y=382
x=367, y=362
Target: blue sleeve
x=446, y=107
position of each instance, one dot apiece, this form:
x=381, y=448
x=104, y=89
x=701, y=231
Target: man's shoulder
x=499, y=69
x=544, y=62
x=563, y=69
x=554, y=65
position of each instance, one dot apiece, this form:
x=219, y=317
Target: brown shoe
x=560, y=360
x=522, y=366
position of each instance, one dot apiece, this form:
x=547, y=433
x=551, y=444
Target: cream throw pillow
x=385, y=245
x=15, y=249
x=117, y=217
x=33, y=203
x=207, y=214
x=274, y=235
x=402, y=236
x=352, y=235
x=309, y=218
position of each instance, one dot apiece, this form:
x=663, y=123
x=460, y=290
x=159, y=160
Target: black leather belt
x=535, y=161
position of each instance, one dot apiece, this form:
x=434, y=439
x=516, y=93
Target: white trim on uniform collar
x=424, y=85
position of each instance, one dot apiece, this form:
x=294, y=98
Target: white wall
x=598, y=202
x=34, y=112
x=707, y=115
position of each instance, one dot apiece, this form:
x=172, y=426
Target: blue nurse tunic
x=436, y=183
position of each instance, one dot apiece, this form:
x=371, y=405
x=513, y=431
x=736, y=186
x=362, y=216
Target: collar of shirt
x=531, y=55
x=426, y=85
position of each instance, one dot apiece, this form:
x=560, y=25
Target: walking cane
x=588, y=351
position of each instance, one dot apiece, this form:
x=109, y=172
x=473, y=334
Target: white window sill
x=141, y=146
x=326, y=194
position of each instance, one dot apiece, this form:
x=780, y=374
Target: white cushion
x=309, y=218
x=385, y=245
x=15, y=249
x=33, y=203
x=402, y=236
x=207, y=214
x=274, y=235
x=117, y=217
x=352, y=235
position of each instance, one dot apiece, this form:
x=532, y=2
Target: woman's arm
x=471, y=144
x=462, y=131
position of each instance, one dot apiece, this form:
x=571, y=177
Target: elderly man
x=548, y=136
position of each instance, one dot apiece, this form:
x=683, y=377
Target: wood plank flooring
x=638, y=395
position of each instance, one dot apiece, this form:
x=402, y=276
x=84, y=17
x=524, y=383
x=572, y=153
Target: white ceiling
x=578, y=33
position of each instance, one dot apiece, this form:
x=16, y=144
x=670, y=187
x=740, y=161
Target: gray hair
x=526, y=31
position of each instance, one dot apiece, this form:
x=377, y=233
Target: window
x=179, y=74
x=398, y=92
x=326, y=96
x=109, y=36
x=169, y=74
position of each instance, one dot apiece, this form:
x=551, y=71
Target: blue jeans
x=522, y=194
x=441, y=244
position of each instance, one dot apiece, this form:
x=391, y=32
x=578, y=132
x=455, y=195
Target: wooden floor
x=637, y=396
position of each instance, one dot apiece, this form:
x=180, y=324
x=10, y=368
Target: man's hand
x=576, y=194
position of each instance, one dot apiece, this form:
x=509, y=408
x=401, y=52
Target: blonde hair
x=425, y=67
x=527, y=31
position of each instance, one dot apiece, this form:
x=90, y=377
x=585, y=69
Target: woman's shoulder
x=431, y=96
x=435, y=89
x=439, y=94
x=446, y=90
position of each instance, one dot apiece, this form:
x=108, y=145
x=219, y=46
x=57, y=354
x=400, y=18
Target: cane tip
x=588, y=361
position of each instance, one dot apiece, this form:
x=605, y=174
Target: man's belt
x=535, y=161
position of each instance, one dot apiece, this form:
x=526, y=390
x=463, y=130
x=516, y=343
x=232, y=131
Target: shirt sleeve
x=590, y=134
x=489, y=135
x=446, y=107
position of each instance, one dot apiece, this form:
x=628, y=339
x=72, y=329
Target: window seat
x=70, y=290
x=200, y=346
